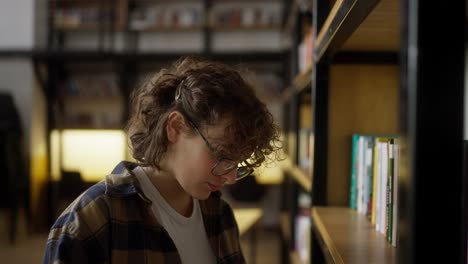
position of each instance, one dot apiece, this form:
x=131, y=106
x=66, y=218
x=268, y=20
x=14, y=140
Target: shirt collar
x=123, y=183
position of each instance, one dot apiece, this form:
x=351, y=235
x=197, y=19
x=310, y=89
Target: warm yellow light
x=94, y=153
x=272, y=174
x=54, y=155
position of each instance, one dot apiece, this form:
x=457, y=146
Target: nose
x=230, y=177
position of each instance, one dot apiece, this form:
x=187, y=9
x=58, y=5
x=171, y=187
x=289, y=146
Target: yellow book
x=376, y=175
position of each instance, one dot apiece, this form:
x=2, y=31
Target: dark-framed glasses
x=224, y=165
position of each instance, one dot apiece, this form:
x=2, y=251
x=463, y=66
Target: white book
x=383, y=189
x=395, y=194
x=378, y=180
x=360, y=174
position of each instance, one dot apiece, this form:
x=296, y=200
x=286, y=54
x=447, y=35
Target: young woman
x=194, y=127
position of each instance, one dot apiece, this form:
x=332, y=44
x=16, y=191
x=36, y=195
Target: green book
x=354, y=164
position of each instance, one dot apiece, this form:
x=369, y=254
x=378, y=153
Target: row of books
x=75, y=17
x=247, y=16
x=374, y=181
x=305, y=145
x=90, y=101
x=163, y=16
x=90, y=86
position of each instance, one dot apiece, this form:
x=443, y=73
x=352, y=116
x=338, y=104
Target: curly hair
x=206, y=92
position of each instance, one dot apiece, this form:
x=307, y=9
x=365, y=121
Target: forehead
x=220, y=132
x=222, y=137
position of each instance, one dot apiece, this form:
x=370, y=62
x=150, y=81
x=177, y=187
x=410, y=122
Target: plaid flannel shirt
x=112, y=222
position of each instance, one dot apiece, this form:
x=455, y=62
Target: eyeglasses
x=224, y=165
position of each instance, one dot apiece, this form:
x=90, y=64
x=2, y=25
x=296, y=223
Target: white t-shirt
x=188, y=233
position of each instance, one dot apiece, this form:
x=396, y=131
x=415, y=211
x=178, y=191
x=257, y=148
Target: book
x=389, y=183
x=353, y=180
x=395, y=193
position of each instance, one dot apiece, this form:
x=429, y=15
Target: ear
x=175, y=126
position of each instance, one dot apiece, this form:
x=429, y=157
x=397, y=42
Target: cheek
x=196, y=163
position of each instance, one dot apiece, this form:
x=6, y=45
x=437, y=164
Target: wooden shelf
x=247, y=218
x=348, y=237
x=301, y=177
x=297, y=173
x=345, y=17
x=380, y=31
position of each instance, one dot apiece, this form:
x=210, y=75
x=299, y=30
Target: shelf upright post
x=320, y=78
x=432, y=116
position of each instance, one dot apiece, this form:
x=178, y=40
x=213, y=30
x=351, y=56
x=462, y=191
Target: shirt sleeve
x=80, y=234
x=230, y=243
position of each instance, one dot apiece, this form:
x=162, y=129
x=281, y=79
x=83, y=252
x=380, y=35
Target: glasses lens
x=224, y=166
x=243, y=172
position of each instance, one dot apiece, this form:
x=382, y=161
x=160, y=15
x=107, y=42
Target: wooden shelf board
x=247, y=218
x=379, y=31
x=297, y=173
x=301, y=177
x=348, y=237
x=344, y=19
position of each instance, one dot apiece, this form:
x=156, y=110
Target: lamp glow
x=94, y=153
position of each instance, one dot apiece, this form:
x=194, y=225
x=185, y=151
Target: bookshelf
x=373, y=71
x=132, y=36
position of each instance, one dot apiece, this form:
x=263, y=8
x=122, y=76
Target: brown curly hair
x=207, y=92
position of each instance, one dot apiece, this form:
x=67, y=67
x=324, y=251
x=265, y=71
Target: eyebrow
x=221, y=150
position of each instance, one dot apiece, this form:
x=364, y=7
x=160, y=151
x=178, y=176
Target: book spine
x=353, y=180
x=390, y=191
